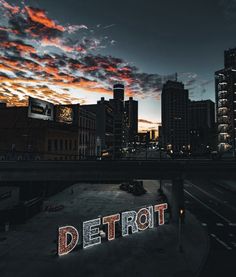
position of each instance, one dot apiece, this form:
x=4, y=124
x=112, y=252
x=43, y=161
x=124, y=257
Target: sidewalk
x=30, y=249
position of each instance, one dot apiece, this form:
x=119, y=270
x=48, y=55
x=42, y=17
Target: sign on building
x=64, y=114
x=40, y=109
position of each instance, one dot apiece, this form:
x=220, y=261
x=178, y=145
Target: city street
x=215, y=207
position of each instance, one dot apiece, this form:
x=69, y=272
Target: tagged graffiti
x=128, y=222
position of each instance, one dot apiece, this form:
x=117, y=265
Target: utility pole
x=181, y=221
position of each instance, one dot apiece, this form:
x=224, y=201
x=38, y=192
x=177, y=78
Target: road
x=215, y=207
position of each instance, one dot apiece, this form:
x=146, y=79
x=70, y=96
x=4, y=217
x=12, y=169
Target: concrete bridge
x=43, y=176
x=98, y=171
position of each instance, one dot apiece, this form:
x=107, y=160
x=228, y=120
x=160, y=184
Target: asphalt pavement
x=215, y=207
x=31, y=249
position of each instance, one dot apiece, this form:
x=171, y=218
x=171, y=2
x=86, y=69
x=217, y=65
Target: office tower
x=104, y=124
x=119, y=92
x=119, y=121
x=230, y=58
x=175, y=127
x=153, y=135
x=202, y=126
x=225, y=88
x=160, y=136
x=131, y=112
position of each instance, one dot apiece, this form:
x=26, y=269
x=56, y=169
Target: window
x=66, y=144
x=61, y=144
x=75, y=144
x=55, y=145
x=49, y=145
x=70, y=145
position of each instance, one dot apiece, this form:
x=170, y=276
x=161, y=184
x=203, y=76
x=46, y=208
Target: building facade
x=86, y=134
x=225, y=87
x=104, y=125
x=202, y=126
x=62, y=138
x=175, y=121
x=131, y=112
x=119, y=121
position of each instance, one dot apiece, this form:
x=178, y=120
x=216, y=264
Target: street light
x=181, y=221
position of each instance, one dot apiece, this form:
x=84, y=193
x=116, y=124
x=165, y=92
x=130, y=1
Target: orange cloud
x=12, y=9
x=39, y=16
x=18, y=45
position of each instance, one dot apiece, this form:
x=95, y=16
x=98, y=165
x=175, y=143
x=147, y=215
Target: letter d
x=64, y=247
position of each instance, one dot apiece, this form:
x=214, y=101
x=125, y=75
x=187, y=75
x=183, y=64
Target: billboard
x=64, y=114
x=40, y=109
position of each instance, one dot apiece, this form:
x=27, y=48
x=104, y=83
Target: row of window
x=62, y=145
x=86, y=123
x=68, y=145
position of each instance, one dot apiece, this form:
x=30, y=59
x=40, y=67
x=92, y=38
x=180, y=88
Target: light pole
x=181, y=219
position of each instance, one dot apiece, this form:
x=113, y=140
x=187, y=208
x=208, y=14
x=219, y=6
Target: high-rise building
x=116, y=122
x=225, y=87
x=153, y=135
x=230, y=58
x=160, y=136
x=175, y=121
x=131, y=113
x=119, y=121
x=119, y=92
x=202, y=125
x=104, y=124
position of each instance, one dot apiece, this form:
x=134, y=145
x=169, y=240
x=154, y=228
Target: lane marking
x=212, y=196
x=204, y=224
x=221, y=242
x=218, y=190
x=219, y=224
x=232, y=224
x=234, y=243
x=206, y=206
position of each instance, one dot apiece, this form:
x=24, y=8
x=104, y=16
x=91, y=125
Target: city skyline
x=117, y=117
x=73, y=54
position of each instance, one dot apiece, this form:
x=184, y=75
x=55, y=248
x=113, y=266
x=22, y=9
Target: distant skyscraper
x=175, y=127
x=225, y=86
x=201, y=125
x=119, y=123
x=230, y=58
x=119, y=92
x=153, y=135
x=131, y=113
x=104, y=123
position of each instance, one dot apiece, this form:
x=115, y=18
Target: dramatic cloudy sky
x=70, y=51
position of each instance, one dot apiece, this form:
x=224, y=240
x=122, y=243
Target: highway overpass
x=99, y=171
x=47, y=177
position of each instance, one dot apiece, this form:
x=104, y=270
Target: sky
x=73, y=51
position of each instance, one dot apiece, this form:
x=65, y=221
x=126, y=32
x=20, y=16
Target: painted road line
x=234, y=243
x=204, y=224
x=221, y=242
x=212, y=196
x=218, y=190
x=232, y=224
x=219, y=224
x=209, y=208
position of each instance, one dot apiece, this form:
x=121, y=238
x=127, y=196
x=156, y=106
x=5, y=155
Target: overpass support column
x=177, y=199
